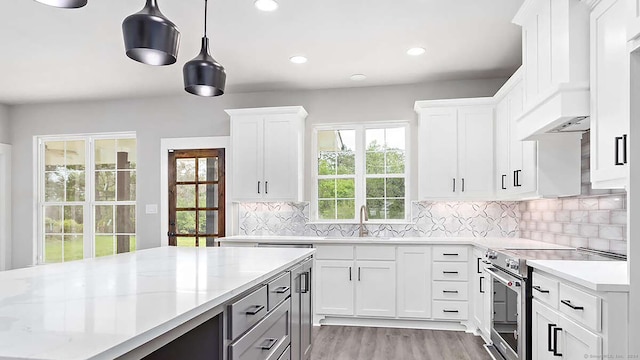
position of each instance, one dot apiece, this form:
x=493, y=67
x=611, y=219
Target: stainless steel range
x=511, y=296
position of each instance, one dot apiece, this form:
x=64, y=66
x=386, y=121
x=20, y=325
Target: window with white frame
x=86, y=196
x=361, y=165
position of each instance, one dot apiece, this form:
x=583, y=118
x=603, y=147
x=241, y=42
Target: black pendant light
x=204, y=76
x=66, y=4
x=151, y=38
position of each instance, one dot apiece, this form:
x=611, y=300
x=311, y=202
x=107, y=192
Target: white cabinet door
x=503, y=145
x=487, y=305
x=334, y=287
x=575, y=341
x=439, y=153
x=247, y=157
x=280, y=157
x=414, y=282
x=476, y=164
x=543, y=321
x=478, y=287
x=376, y=288
x=633, y=20
x=610, y=92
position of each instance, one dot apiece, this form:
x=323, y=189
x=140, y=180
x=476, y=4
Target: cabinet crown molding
x=512, y=82
x=426, y=104
x=280, y=110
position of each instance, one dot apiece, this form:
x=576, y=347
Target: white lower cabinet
x=481, y=299
x=375, y=288
x=334, y=287
x=414, y=282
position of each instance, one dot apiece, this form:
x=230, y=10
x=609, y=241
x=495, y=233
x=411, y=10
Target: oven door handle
x=503, y=279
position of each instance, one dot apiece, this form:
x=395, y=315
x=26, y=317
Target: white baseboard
x=396, y=323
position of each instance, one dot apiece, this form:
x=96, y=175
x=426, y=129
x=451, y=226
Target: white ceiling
x=50, y=54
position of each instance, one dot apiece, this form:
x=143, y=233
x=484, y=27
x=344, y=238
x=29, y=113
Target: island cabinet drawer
x=451, y=253
x=286, y=355
x=365, y=252
x=581, y=306
x=545, y=290
x=450, y=271
x=247, y=311
x=450, y=310
x=334, y=252
x=449, y=290
x=279, y=290
x=267, y=340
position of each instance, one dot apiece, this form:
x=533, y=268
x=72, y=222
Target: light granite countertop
x=103, y=308
x=595, y=275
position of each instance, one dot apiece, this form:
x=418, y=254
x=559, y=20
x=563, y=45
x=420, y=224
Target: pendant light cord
x=205, y=18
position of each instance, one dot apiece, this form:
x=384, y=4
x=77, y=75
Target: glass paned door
x=196, y=197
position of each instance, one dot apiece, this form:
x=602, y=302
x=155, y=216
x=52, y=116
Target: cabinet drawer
x=581, y=306
x=451, y=253
x=247, y=311
x=286, y=355
x=445, y=290
x=450, y=271
x=279, y=289
x=376, y=253
x=450, y=310
x=545, y=290
x=267, y=340
x=334, y=252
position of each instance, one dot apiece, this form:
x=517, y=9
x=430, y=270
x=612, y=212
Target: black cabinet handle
x=481, y=282
x=449, y=272
x=454, y=184
x=266, y=187
x=540, y=289
x=450, y=311
x=256, y=309
x=349, y=273
x=268, y=344
x=617, y=150
x=515, y=178
x=555, y=341
x=281, y=290
x=304, y=289
x=569, y=304
x=449, y=291
x=258, y=187
x=549, y=337
x=504, y=187
x=462, y=184
x=358, y=273
x=478, y=266
x=450, y=254
x=624, y=148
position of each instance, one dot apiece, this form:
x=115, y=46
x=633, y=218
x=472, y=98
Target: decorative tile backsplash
x=428, y=219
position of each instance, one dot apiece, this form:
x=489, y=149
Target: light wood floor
x=363, y=343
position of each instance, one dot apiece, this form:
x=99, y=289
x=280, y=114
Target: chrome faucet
x=364, y=213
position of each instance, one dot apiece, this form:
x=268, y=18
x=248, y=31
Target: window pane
x=105, y=185
x=75, y=186
x=104, y=219
x=396, y=209
x=375, y=162
x=75, y=156
x=326, y=209
x=132, y=243
x=376, y=208
x=105, y=245
x=375, y=188
x=125, y=219
x=395, y=139
x=53, y=219
x=187, y=241
x=326, y=188
x=345, y=188
x=186, y=170
x=105, y=154
x=327, y=163
x=208, y=196
x=53, y=155
x=73, y=247
x=346, y=209
x=375, y=140
x=346, y=163
x=73, y=219
x=53, y=248
x=395, y=162
x=128, y=147
x=186, y=222
x=336, y=140
x=126, y=185
x=395, y=187
x=208, y=222
x=54, y=186
x=208, y=169
x=186, y=196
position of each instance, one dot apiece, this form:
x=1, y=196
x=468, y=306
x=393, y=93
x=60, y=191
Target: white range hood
x=555, y=61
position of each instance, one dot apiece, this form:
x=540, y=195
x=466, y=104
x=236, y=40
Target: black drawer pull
x=549, y=335
x=569, y=304
x=555, y=341
x=256, y=309
x=451, y=254
x=450, y=291
x=540, y=289
x=281, y=290
x=504, y=187
x=450, y=272
x=268, y=344
x=450, y=311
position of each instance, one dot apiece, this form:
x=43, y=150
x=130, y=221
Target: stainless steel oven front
x=508, y=323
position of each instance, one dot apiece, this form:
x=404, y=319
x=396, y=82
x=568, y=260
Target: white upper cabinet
x=610, y=94
x=555, y=57
x=267, y=154
x=456, y=149
x=633, y=19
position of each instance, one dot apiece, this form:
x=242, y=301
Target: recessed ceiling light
x=416, y=51
x=358, y=77
x=266, y=5
x=298, y=59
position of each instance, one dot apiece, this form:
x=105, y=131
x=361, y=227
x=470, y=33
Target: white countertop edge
x=552, y=267
x=143, y=338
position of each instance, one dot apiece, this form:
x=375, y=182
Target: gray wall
x=5, y=129
x=189, y=116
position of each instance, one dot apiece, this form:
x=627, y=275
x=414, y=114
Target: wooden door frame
x=5, y=207
x=213, y=142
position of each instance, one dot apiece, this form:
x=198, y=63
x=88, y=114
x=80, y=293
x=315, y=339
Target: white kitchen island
x=126, y=305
